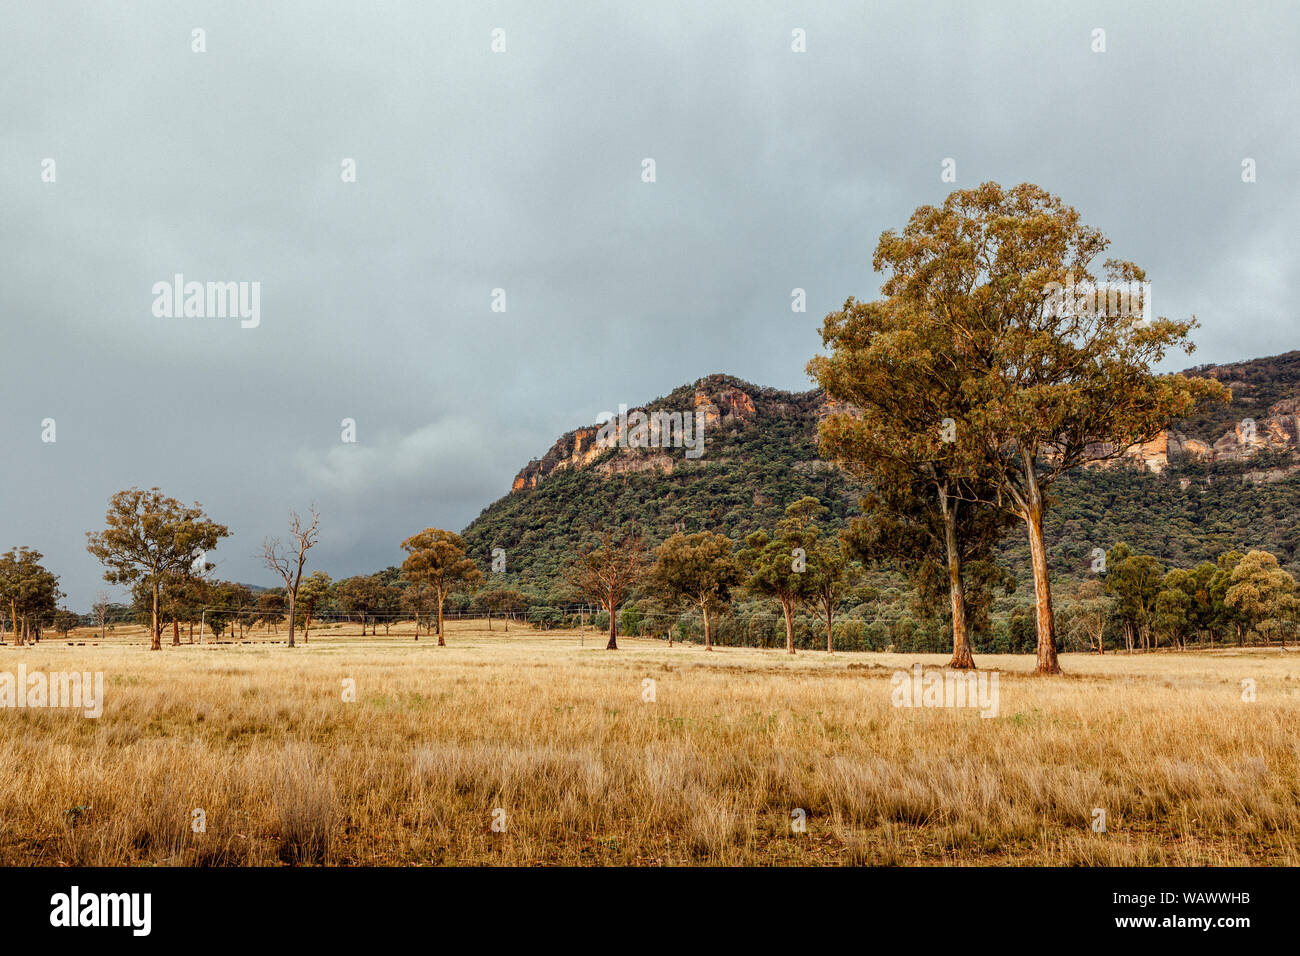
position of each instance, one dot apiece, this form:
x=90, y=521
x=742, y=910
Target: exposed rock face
x=717, y=403
x=729, y=403
x=1180, y=446
x=830, y=406
x=1279, y=430
x=1269, y=475
x=1152, y=456
x=626, y=464
x=573, y=450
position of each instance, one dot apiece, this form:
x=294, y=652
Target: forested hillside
x=1256, y=385
x=754, y=465
x=760, y=455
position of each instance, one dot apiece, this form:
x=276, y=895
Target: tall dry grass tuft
x=306, y=803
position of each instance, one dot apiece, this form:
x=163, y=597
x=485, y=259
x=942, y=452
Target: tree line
x=799, y=568
x=1143, y=605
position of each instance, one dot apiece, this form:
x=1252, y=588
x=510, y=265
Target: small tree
x=1092, y=611
x=420, y=600
x=505, y=602
x=437, y=558
x=1134, y=581
x=699, y=568
x=1200, y=588
x=313, y=595
x=186, y=597
x=150, y=536
x=178, y=600
x=777, y=566
x=389, y=604
x=100, y=611
x=288, y=562
x=218, y=600
x=270, y=609
x=11, y=589
x=359, y=595
x=1175, y=610
x=831, y=576
x=1264, y=593
x=1229, y=618
x=30, y=591
x=243, y=605
x=606, y=573
x=65, y=620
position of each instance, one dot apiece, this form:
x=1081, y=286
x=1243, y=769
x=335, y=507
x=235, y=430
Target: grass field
x=557, y=740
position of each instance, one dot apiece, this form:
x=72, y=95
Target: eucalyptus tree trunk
x=155, y=625
x=1033, y=514
x=787, y=606
x=962, y=658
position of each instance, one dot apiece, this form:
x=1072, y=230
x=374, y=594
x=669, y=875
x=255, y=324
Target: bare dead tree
x=289, y=562
x=100, y=610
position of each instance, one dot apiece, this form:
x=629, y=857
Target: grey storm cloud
x=522, y=171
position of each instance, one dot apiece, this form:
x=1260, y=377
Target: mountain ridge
x=1205, y=483
x=721, y=397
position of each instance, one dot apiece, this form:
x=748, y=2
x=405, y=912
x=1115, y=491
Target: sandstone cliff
x=719, y=402
x=1278, y=430
x=1264, y=416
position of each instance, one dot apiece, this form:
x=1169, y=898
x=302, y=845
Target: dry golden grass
x=558, y=737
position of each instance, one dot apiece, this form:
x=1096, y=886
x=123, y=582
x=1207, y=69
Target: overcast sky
x=522, y=170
